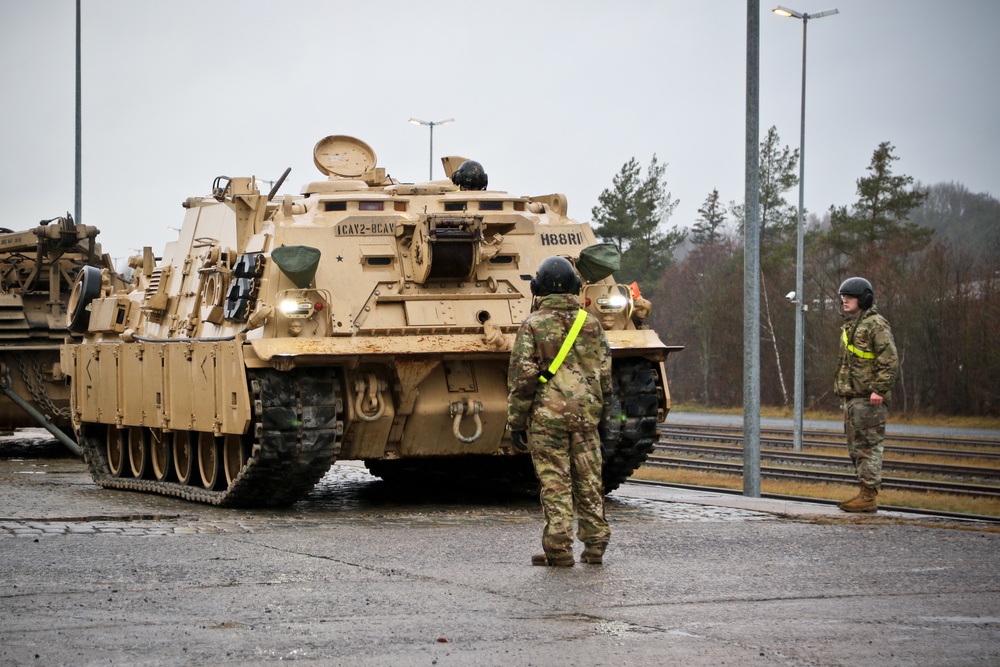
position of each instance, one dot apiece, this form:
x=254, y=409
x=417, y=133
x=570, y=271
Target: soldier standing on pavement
x=865, y=375
x=560, y=383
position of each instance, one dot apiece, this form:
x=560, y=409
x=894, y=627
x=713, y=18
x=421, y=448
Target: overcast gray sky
x=550, y=96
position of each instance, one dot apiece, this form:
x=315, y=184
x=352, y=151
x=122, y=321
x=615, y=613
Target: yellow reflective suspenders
x=855, y=351
x=581, y=317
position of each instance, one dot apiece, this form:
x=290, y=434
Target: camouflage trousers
x=568, y=466
x=864, y=425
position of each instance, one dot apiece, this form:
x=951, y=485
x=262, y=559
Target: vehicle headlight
x=293, y=308
x=614, y=302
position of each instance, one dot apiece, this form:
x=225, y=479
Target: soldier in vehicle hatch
x=560, y=385
x=865, y=375
x=470, y=176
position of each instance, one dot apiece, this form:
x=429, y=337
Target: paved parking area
x=361, y=573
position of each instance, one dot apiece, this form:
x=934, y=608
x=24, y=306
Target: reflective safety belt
x=855, y=351
x=581, y=317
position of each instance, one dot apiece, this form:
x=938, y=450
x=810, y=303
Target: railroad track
x=823, y=501
x=782, y=438
x=820, y=460
x=776, y=446
x=775, y=473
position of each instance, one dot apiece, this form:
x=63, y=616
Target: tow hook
x=368, y=396
x=460, y=408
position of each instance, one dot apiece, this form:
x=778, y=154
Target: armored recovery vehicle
x=364, y=319
x=37, y=271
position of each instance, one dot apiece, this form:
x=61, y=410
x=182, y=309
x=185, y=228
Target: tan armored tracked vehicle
x=37, y=271
x=365, y=319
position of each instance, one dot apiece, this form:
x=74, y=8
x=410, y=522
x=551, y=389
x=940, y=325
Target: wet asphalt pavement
x=361, y=573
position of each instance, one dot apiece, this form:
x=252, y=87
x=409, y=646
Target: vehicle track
x=293, y=444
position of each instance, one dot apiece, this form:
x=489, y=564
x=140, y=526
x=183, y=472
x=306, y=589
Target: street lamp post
x=78, y=207
x=431, y=124
x=800, y=306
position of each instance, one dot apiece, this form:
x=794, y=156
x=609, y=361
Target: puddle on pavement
x=675, y=511
x=31, y=443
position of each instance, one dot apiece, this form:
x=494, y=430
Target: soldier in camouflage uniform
x=556, y=413
x=865, y=375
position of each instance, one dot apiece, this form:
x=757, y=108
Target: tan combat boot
x=863, y=502
x=556, y=561
x=593, y=554
x=854, y=498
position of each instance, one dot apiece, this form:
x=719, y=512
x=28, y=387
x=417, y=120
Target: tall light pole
x=800, y=302
x=751, y=261
x=78, y=207
x=431, y=124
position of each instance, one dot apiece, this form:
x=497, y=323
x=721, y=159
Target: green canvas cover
x=599, y=261
x=298, y=262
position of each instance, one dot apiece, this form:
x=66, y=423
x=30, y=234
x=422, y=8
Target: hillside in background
x=970, y=221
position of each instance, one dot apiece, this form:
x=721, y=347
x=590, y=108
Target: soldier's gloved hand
x=520, y=440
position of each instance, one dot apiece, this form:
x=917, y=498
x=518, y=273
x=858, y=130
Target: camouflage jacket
x=573, y=399
x=872, y=365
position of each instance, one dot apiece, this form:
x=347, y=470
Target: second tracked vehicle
x=38, y=267
x=365, y=318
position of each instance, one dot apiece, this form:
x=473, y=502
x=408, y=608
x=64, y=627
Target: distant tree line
x=931, y=252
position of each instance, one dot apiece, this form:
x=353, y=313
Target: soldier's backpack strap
x=574, y=331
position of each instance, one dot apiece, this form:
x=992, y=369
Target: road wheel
x=210, y=460
x=234, y=455
x=138, y=452
x=161, y=446
x=183, y=456
x=117, y=450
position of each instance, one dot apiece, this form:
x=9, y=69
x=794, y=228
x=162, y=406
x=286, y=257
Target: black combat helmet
x=470, y=175
x=555, y=276
x=860, y=288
